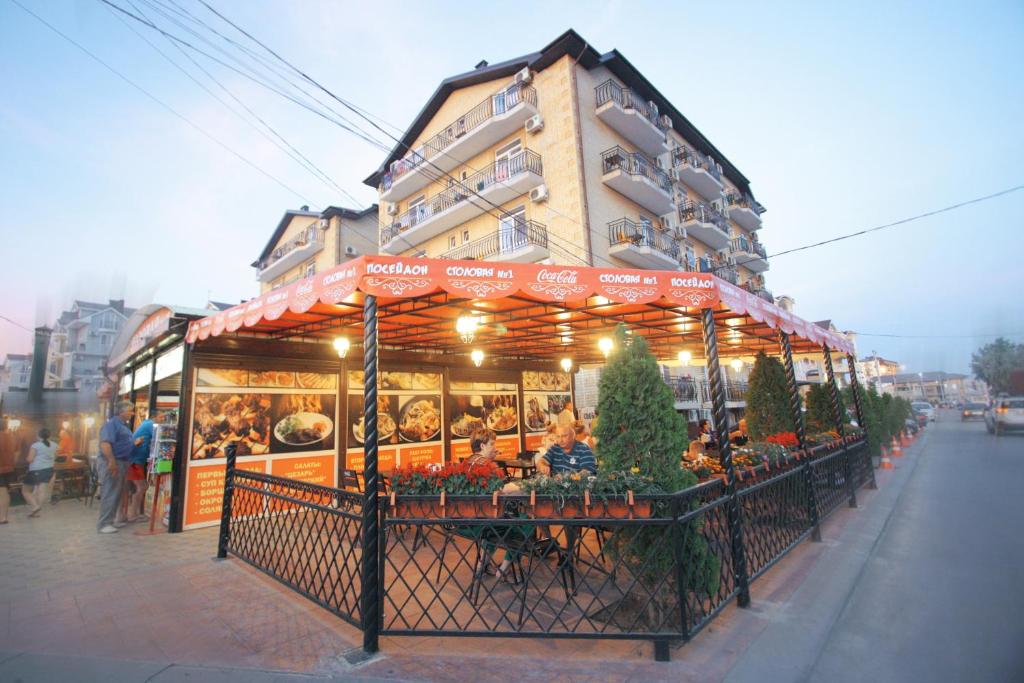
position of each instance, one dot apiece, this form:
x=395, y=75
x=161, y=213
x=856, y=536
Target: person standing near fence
x=112, y=466
x=8, y=452
x=36, y=487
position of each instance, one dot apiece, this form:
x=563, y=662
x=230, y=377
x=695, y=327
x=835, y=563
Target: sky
x=844, y=116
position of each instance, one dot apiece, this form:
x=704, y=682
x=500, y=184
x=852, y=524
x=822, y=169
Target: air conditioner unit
x=534, y=124
x=524, y=76
x=681, y=233
x=351, y=251
x=666, y=121
x=323, y=223
x=539, y=194
x=391, y=208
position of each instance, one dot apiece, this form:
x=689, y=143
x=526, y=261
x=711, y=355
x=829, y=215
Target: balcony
x=745, y=211
x=718, y=269
x=642, y=245
x=749, y=254
x=698, y=171
x=689, y=390
x=632, y=117
x=757, y=288
x=496, y=184
x=637, y=177
x=735, y=391
x=521, y=241
x=705, y=223
x=290, y=254
x=478, y=129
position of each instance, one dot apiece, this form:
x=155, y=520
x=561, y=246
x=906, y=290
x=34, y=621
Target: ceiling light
x=606, y=345
x=736, y=364
x=566, y=364
x=341, y=345
x=477, y=356
x=685, y=357
x=466, y=327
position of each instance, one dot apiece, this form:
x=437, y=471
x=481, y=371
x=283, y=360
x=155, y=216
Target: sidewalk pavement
x=77, y=606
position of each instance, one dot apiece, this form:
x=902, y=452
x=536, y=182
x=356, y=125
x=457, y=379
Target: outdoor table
x=526, y=468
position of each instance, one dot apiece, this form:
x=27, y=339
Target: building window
x=451, y=242
x=465, y=236
x=309, y=269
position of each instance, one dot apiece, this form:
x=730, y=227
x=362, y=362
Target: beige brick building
x=306, y=242
x=569, y=156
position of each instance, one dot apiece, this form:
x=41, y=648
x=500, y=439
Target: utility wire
x=286, y=147
x=16, y=324
x=163, y=104
x=939, y=336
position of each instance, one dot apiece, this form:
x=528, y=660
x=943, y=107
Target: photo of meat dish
x=420, y=419
x=545, y=381
x=465, y=424
x=537, y=417
x=272, y=379
x=303, y=420
x=222, y=419
x=500, y=412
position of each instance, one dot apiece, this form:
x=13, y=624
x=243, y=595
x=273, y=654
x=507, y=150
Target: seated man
x=568, y=455
x=739, y=437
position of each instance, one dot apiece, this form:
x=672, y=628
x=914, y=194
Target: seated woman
x=483, y=444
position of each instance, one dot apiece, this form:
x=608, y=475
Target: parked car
x=924, y=408
x=910, y=424
x=973, y=411
x=1005, y=414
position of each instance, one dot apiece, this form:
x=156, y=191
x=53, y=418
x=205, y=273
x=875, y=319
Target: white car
x=925, y=408
x=1006, y=414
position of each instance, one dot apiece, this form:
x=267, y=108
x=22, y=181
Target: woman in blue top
x=36, y=487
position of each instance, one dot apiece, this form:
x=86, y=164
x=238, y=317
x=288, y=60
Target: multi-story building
x=936, y=387
x=15, y=371
x=567, y=156
x=306, y=242
x=873, y=367
x=81, y=342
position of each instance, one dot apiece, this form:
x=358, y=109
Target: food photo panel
x=303, y=422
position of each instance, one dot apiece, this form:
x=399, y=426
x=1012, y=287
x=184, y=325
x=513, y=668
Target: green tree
x=994, y=362
x=639, y=425
x=819, y=416
x=768, y=410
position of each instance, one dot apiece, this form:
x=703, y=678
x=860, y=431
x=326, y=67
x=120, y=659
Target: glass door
x=512, y=230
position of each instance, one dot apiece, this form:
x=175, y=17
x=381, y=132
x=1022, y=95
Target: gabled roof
x=569, y=43
x=218, y=305
x=351, y=214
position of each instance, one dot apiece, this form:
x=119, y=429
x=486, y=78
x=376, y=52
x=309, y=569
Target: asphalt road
x=941, y=597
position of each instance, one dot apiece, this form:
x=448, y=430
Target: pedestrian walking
x=112, y=466
x=36, y=487
x=8, y=453
x=137, y=484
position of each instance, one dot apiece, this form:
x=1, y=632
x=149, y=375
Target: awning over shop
x=525, y=310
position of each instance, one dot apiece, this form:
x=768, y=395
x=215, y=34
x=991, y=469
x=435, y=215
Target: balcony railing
x=507, y=239
x=702, y=213
x=494, y=174
x=610, y=91
x=742, y=201
x=717, y=268
x=687, y=389
x=735, y=390
x=742, y=245
x=310, y=236
x=494, y=105
x=758, y=289
x=625, y=231
x=635, y=164
x=691, y=157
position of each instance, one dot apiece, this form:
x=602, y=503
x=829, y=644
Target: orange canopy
x=526, y=310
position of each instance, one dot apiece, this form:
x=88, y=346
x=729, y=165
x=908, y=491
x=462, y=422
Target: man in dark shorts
x=8, y=452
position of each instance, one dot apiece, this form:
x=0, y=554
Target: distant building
x=872, y=367
x=14, y=373
x=217, y=306
x=934, y=387
x=81, y=342
x=306, y=242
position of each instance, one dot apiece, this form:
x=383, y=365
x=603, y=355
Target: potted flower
x=424, y=490
x=617, y=493
x=561, y=495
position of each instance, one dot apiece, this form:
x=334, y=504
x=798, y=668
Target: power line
x=163, y=104
x=940, y=336
x=15, y=323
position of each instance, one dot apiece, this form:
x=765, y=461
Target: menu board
x=284, y=421
x=545, y=395
x=493, y=405
x=410, y=407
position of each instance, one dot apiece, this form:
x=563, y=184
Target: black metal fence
x=659, y=569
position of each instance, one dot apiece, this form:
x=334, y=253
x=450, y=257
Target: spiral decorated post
x=858, y=407
x=801, y=435
x=840, y=426
x=718, y=412
x=370, y=595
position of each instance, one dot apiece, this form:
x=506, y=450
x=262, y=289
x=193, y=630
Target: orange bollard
x=885, y=463
x=897, y=451
x=905, y=439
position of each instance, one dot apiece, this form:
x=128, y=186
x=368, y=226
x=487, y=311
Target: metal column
x=840, y=426
x=717, y=386
x=369, y=600
x=801, y=434
x=858, y=407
